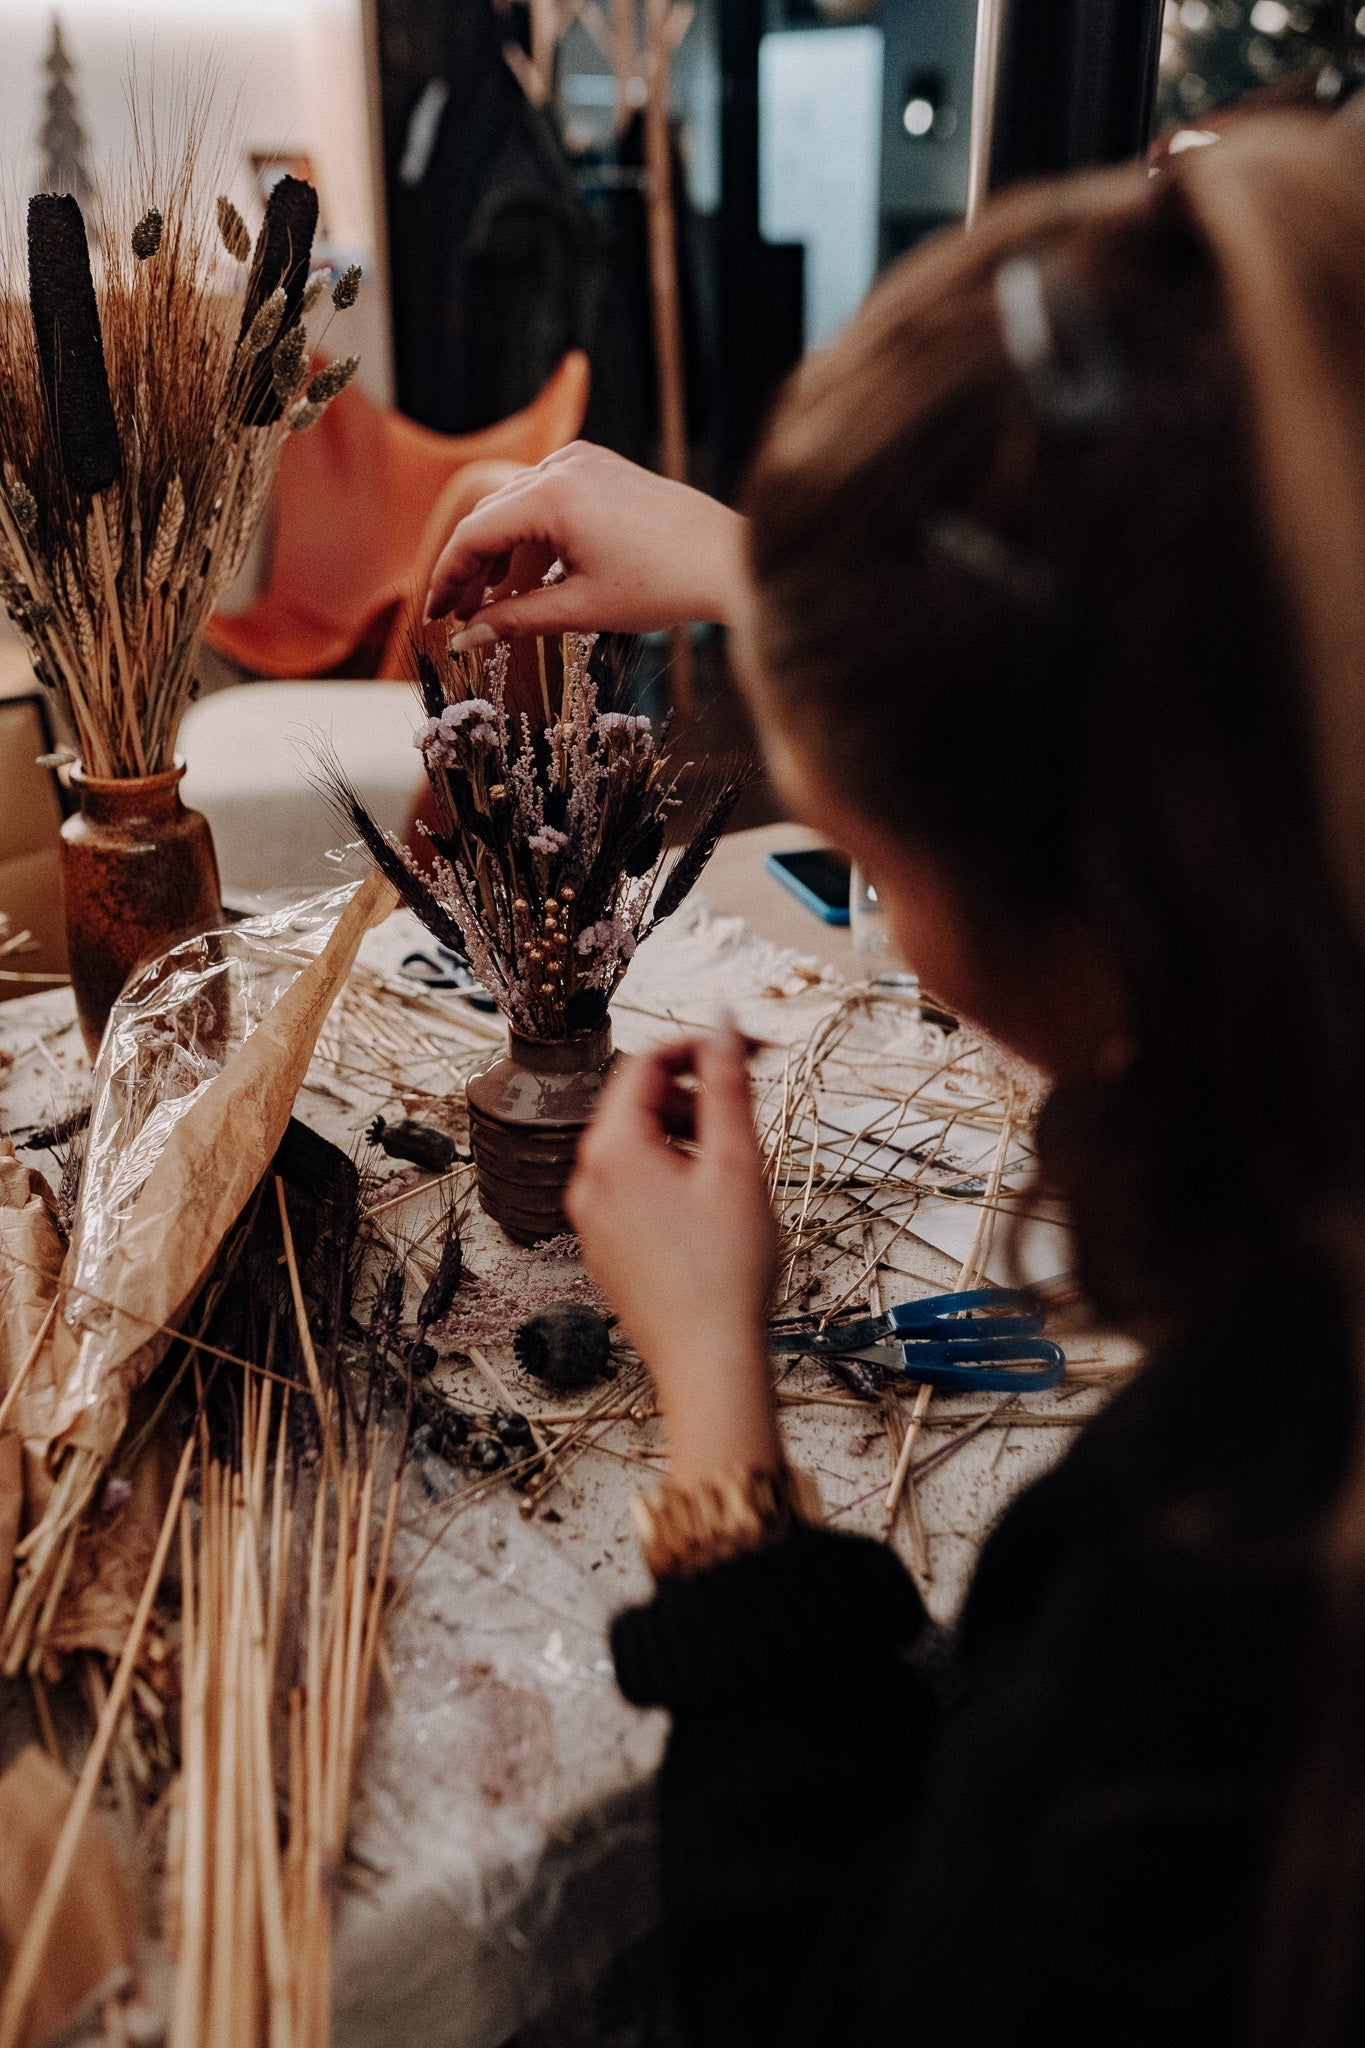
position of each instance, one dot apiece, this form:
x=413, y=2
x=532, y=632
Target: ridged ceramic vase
x=527, y=1111
x=138, y=873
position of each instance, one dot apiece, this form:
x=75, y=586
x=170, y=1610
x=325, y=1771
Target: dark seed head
x=66, y=327
x=147, y=235
x=512, y=1429
x=420, y=1144
x=445, y=1281
x=454, y=1429
x=566, y=1345
x=422, y=1359
x=485, y=1453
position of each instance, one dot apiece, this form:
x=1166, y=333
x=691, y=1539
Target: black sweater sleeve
x=791, y=1674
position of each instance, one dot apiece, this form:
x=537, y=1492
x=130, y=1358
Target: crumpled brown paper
x=94, y=1933
x=194, y=1192
x=30, y=1261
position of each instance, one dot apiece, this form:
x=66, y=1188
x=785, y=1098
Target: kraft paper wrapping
x=84, y=1379
x=198, y=1188
x=94, y=1935
x=30, y=1261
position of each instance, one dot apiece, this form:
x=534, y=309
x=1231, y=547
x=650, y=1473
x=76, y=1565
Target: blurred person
x=1049, y=602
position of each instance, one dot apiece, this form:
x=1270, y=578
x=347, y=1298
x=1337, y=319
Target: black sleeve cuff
x=819, y=1601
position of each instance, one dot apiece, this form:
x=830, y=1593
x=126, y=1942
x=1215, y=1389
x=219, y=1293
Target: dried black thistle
x=284, y=249
x=567, y=1345
x=146, y=236
x=420, y=1144
x=66, y=327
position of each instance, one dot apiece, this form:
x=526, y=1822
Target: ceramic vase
x=138, y=873
x=527, y=1112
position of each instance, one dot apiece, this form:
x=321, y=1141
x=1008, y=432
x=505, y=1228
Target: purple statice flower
x=548, y=841
x=624, y=725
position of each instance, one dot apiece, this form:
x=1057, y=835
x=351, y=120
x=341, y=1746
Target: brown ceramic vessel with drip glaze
x=527, y=1112
x=138, y=873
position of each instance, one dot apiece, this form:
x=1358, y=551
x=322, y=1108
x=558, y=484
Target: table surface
x=504, y=1816
x=737, y=884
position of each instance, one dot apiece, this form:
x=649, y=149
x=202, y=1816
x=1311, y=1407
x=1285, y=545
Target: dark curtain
x=498, y=263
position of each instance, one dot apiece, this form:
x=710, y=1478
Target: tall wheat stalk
x=141, y=424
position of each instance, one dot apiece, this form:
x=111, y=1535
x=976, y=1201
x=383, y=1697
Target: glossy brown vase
x=527, y=1112
x=138, y=873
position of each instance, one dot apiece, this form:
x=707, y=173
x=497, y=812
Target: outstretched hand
x=639, y=553
x=683, y=1244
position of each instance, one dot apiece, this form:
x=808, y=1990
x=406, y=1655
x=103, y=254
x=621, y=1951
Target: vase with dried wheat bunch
x=549, y=868
x=142, y=415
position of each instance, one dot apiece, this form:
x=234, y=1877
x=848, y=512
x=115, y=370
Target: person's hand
x=684, y=1244
x=640, y=553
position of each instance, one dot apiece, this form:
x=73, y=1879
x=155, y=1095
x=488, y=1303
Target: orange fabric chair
x=363, y=504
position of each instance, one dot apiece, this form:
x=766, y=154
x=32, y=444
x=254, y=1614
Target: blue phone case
x=826, y=912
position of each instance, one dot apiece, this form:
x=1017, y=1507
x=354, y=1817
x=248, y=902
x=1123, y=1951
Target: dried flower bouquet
x=143, y=407
x=554, y=799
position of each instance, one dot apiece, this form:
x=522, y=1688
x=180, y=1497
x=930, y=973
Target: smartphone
x=818, y=876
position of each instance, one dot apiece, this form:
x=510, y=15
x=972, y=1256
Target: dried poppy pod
x=567, y=1345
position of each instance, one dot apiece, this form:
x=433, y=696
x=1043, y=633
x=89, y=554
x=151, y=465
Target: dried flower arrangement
x=555, y=799
x=142, y=414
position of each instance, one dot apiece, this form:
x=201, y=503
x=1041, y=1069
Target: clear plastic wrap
x=170, y=1035
x=194, y=1084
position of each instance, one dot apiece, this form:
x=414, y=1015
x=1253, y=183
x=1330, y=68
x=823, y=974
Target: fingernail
x=471, y=639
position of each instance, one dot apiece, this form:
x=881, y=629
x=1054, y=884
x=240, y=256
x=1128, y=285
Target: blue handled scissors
x=987, y=1340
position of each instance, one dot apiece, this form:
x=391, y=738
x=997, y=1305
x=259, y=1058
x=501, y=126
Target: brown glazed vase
x=138, y=873
x=527, y=1112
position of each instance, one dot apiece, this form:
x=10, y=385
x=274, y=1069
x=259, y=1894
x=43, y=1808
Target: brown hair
x=1086, y=628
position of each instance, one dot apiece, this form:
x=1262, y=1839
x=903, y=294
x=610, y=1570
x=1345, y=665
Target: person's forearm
x=726, y=1421
x=719, y=549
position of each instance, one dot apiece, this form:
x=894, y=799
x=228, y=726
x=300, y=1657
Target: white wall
x=289, y=77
